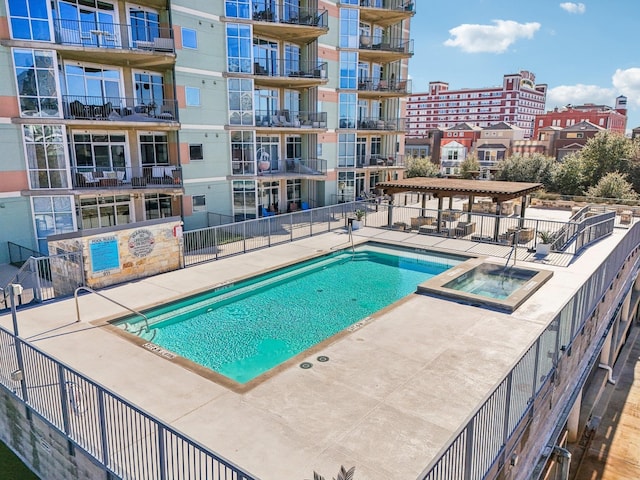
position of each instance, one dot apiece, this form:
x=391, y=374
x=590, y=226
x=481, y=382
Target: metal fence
x=120, y=438
x=480, y=448
x=46, y=278
x=221, y=241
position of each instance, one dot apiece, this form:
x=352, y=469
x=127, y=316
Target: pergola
x=448, y=187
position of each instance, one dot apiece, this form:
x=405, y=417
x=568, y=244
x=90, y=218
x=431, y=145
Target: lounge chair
x=267, y=213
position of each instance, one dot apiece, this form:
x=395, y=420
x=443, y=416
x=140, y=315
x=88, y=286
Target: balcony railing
x=145, y=176
x=113, y=35
x=401, y=5
x=290, y=68
x=399, y=86
x=118, y=109
x=287, y=119
x=380, y=160
x=280, y=12
x=398, y=45
x=392, y=124
x=289, y=166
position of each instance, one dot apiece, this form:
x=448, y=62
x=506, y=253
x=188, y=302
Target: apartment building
x=604, y=116
x=113, y=113
x=517, y=101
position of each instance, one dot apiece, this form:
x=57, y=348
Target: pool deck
x=391, y=396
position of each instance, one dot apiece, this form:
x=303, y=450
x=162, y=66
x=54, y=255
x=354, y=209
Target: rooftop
x=393, y=393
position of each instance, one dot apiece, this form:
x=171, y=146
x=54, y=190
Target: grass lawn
x=11, y=467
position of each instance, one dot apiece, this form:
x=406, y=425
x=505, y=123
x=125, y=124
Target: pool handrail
x=91, y=290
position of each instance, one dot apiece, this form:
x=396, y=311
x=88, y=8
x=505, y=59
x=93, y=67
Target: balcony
x=380, y=160
x=120, y=43
x=384, y=49
x=118, y=109
x=380, y=124
x=287, y=21
x=125, y=178
x=376, y=88
x=289, y=73
x=285, y=120
x=386, y=12
x=282, y=169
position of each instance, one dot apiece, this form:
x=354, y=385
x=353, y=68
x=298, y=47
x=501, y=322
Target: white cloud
x=573, y=7
x=627, y=83
x=490, y=38
x=579, y=95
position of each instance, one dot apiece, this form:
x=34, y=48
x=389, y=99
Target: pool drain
x=306, y=365
x=323, y=358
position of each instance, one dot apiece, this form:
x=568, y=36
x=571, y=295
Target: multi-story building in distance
x=517, y=101
x=113, y=113
x=612, y=119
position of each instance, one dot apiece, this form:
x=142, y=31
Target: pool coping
x=436, y=286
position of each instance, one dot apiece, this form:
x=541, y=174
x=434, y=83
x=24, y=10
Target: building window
x=36, y=79
x=192, y=96
x=348, y=107
x=244, y=200
x=199, y=203
x=239, y=48
x=100, y=152
x=104, y=211
x=240, y=101
x=346, y=150
x=294, y=189
x=145, y=26
x=189, y=38
x=52, y=216
x=157, y=205
x=348, y=69
x=195, y=152
x=29, y=20
x=349, y=28
x=242, y=158
x=149, y=89
x=46, y=159
x=237, y=9
x=154, y=149
x=346, y=186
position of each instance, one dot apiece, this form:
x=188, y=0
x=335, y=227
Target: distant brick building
x=612, y=119
x=517, y=101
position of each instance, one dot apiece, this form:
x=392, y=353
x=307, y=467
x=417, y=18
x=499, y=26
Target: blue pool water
x=244, y=330
x=492, y=281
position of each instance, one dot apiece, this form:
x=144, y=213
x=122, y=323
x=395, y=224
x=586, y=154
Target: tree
x=613, y=185
x=536, y=168
x=569, y=176
x=605, y=153
x=421, y=167
x=470, y=167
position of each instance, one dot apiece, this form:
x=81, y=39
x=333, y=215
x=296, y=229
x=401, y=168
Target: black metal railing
x=288, y=68
x=145, y=176
x=127, y=109
x=398, y=45
x=380, y=160
x=400, y=86
x=113, y=35
x=375, y=123
x=280, y=12
x=289, y=119
x=398, y=5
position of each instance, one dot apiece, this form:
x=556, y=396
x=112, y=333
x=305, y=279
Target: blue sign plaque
x=104, y=254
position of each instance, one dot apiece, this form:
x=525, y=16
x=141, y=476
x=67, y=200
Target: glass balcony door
x=99, y=153
x=88, y=23
x=93, y=86
x=265, y=57
x=145, y=27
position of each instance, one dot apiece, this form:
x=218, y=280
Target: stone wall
x=124, y=253
x=42, y=448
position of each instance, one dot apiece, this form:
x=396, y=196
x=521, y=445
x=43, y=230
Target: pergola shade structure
x=447, y=187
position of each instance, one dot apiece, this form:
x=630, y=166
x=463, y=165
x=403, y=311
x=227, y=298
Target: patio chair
x=267, y=213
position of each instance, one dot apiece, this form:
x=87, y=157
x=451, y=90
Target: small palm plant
x=359, y=214
x=545, y=236
x=343, y=474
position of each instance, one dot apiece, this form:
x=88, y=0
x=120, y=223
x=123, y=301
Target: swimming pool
x=243, y=330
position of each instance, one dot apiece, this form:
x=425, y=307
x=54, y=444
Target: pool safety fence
x=45, y=278
x=486, y=443
x=120, y=438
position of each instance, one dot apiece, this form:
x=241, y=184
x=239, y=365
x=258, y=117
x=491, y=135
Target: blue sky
x=584, y=51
